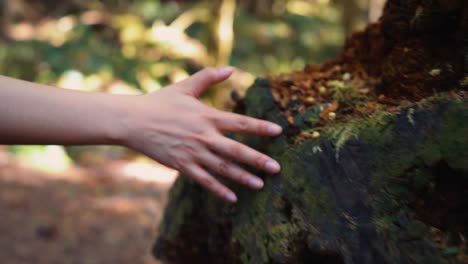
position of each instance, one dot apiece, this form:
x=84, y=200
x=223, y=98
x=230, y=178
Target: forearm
x=38, y=114
x=171, y=126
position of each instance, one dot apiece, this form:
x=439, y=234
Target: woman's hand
x=173, y=127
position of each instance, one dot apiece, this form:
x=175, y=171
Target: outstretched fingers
x=210, y=183
x=230, y=170
x=236, y=123
x=202, y=80
x=239, y=152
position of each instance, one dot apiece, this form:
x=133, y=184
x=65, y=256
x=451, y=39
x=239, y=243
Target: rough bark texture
x=387, y=182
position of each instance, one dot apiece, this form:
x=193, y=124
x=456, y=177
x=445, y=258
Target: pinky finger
x=212, y=184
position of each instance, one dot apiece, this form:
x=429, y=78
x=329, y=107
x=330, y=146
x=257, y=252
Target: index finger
x=230, y=122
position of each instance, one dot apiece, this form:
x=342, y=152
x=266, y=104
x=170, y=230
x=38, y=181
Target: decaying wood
x=374, y=167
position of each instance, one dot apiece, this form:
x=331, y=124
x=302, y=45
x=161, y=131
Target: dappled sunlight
x=54, y=31
x=166, y=34
x=178, y=76
x=122, y=88
x=132, y=29
x=73, y=80
x=81, y=214
x=305, y=8
x=66, y=24
x=241, y=79
x=148, y=83
x=157, y=44
x=21, y=31
x=126, y=205
x=51, y=158
x=92, y=17
x=178, y=44
x=148, y=172
x=52, y=163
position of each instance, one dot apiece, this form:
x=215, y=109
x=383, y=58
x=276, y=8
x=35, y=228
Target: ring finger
x=230, y=170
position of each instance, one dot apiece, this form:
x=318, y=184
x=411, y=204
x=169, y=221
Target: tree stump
x=374, y=156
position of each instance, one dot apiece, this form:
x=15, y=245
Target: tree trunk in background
x=350, y=14
x=262, y=8
x=375, y=10
x=225, y=31
x=383, y=178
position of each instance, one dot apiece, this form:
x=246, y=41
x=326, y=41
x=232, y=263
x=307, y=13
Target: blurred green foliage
x=117, y=40
x=139, y=46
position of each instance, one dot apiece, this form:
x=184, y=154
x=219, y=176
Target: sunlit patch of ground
x=105, y=215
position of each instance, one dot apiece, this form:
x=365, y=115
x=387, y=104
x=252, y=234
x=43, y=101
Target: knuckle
x=243, y=178
x=188, y=149
x=216, y=117
x=205, y=138
x=236, y=174
x=181, y=164
x=223, y=167
x=198, y=136
x=206, y=116
x=260, y=161
x=198, y=130
x=242, y=124
x=236, y=151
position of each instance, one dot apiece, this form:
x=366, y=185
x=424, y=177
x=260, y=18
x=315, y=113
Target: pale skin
x=170, y=126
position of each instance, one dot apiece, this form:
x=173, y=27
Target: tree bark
x=384, y=182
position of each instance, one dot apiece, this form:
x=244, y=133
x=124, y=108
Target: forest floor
x=81, y=216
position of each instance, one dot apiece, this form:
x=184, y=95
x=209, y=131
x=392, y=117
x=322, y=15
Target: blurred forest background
x=133, y=47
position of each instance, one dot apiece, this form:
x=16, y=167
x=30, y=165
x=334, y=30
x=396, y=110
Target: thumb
x=205, y=78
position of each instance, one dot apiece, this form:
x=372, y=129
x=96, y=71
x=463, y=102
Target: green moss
x=384, y=224
x=421, y=178
x=431, y=153
x=417, y=230
x=252, y=224
x=453, y=140
x=341, y=136
x=259, y=99
x=250, y=235
x=267, y=224
x=346, y=90
x=279, y=239
x=307, y=204
x=170, y=227
x=394, y=156
x=401, y=164
x=464, y=82
x=366, y=129
x=343, y=91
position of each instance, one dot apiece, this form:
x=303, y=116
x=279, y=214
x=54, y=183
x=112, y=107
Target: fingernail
x=231, y=197
x=225, y=70
x=256, y=183
x=272, y=166
x=275, y=129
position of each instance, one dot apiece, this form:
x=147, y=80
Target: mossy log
x=388, y=189
x=383, y=181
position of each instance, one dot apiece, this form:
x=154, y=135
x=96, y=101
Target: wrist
x=116, y=129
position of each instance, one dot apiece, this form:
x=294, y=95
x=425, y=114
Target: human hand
x=173, y=127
